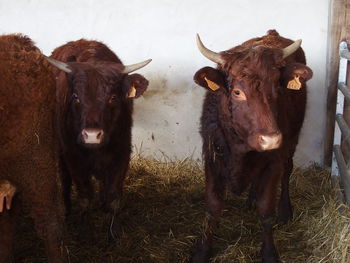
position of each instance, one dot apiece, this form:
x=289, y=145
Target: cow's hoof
x=269, y=256
x=285, y=214
x=114, y=230
x=84, y=205
x=67, y=211
x=269, y=260
x=115, y=205
x=202, y=253
x=86, y=228
x=200, y=257
x=67, y=207
x=111, y=207
x=250, y=203
x=86, y=234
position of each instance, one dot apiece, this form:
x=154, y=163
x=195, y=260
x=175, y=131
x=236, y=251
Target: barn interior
x=163, y=206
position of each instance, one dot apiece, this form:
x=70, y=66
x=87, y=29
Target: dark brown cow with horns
x=95, y=102
x=28, y=155
x=252, y=115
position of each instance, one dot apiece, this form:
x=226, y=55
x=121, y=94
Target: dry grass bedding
x=162, y=216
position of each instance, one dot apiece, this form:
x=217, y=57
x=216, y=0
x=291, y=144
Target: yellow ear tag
x=132, y=92
x=294, y=84
x=212, y=85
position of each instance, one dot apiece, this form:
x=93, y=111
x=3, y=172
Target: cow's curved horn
x=133, y=67
x=211, y=55
x=287, y=51
x=59, y=64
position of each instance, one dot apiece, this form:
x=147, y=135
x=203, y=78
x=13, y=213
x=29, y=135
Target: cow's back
x=27, y=90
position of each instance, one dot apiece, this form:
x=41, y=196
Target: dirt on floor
x=162, y=213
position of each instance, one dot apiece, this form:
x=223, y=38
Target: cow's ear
x=209, y=78
x=134, y=85
x=298, y=69
x=295, y=75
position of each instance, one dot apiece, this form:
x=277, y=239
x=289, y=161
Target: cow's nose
x=92, y=136
x=270, y=142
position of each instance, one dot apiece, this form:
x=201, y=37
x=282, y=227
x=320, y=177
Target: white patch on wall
x=167, y=117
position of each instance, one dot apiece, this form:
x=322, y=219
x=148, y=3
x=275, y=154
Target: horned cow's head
x=95, y=96
x=247, y=81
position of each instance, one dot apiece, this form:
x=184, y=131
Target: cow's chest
x=237, y=169
x=96, y=162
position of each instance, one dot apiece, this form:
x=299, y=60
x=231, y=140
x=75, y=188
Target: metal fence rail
x=340, y=169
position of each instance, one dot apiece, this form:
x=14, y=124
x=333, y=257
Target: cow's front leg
x=85, y=194
x=81, y=178
x=214, y=201
x=66, y=180
x=111, y=194
x=266, y=202
x=251, y=200
x=285, y=211
x=252, y=173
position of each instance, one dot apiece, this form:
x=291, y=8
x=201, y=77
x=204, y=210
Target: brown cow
x=252, y=115
x=28, y=156
x=95, y=103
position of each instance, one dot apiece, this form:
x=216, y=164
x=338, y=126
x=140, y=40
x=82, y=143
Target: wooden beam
x=339, y=30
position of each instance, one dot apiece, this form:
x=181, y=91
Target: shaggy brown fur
x=252, y=101
x=28, y=156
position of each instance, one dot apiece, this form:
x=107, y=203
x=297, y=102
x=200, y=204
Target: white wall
x=165, y=31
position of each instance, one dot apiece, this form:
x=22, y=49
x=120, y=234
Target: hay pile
x=163, y=213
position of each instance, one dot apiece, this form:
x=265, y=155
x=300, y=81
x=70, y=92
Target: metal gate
x=340, y=168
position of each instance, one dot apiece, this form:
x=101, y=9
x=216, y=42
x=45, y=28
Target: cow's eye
x=238, y=94
x=113, y=98
x=75, y=98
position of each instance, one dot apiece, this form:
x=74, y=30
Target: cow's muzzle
x=265, y=142
x=92, y=136
x=270, y=142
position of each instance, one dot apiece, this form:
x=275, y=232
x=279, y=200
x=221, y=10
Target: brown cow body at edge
x=95, y=103
x=250, y=126
x=28, y=157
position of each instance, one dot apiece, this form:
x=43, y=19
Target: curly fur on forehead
x=256, y=66
x=95, y=83
x=253, y=62
x=103, y=73
x=84, y=50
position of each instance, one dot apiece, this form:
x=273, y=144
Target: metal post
x=340, y=169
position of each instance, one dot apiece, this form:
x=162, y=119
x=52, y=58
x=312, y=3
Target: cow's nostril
x=92, y=136
x=99, y=134
x=261, y=139
x=85, y=135
x=265, y=139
